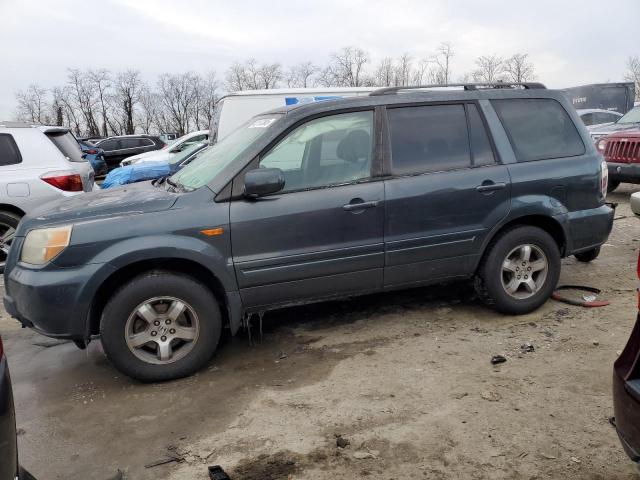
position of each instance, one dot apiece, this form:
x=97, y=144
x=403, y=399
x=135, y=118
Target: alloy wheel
x=7, y=233
x=162, y=330
x=524, y=271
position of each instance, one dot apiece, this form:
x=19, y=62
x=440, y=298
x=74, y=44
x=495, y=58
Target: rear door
x=445, y=192
x=321, y=236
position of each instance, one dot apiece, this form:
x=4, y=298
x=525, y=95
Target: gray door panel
x=305, y=244
x=436, y=222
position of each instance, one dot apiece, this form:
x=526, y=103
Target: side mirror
x=263, y=181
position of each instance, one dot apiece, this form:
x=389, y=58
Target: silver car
x=38, y=165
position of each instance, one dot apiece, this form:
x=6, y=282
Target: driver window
x=327, y=151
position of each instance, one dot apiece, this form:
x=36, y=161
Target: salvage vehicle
x=629, y=121
x=626, y=391
x=37, y=166
x=400, y=188
x=166, y=153
x=9, y=467
x=621, y=150
x=118, y=148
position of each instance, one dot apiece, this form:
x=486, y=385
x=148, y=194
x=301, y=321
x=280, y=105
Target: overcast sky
x=570, y=42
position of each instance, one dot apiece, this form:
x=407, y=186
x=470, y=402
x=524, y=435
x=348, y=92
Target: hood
x=152, y=153
x=160, y=156
x=614, y=127
x=131, y=199
x=634, y=134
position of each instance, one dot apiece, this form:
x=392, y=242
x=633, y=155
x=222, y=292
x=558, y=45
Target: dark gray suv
x=404, y=187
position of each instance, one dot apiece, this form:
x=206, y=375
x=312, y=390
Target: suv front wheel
x=520, y=270
x=161, y=326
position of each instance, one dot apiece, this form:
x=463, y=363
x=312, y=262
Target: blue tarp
x=136, y=173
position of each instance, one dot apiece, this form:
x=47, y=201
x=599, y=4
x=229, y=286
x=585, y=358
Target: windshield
x=186, y=153
x=211, y=161
x=632, y=116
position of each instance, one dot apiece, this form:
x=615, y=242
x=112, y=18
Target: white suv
x=165, y=154
x=37, y=166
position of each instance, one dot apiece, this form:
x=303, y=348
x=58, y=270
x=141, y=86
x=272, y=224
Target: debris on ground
x=583, y=302
x=498, y=359
x=548, y=456
x=363, y=455
x=120, y=475
x=171, y=456
x=491, y=396
x=527, y=348
x=217, y=473
x=341, y=442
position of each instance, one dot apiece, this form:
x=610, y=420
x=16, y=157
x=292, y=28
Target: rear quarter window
x=9, y=153
x=539, y=128
x=67, y=144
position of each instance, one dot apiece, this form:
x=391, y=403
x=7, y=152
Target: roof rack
x=466, y=86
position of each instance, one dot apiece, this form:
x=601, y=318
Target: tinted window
x=428, y=139
x=131, y=142
x=588, y=119
x=111, y=144
x=327, y=151
x=602, y=117
x=9, y=153
x=538, y=128
x=482, y=152
x=67, y=144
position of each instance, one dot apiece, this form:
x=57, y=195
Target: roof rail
x=466, y=86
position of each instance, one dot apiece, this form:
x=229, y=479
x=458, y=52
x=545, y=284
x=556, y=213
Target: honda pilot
x=400, y=188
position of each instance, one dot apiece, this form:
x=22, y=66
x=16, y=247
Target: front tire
x=161, y=326
x=588, y=256
x=8, y=224
x=519, y=271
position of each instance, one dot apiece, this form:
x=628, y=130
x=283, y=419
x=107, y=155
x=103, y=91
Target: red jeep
x=621, y=150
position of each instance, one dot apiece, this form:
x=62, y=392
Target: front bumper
x=53, y=301
x=624, y=172
x=627, y=418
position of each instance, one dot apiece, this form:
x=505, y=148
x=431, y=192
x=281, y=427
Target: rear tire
x=519, y=270
x=8, y=223
x=161, y=326
x=612, y=185
x=588, y=256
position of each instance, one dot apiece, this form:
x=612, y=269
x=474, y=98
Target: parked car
x=165, y=154
x=629, y=121
x=401, y=188
x=596, y=118
x=117, y=149
x=95, y=156
x=143, y=171
x=621, y=150
x=626, y=392
x=237, y=108
x=168, y=138
x=9, y=467
x=37, y=166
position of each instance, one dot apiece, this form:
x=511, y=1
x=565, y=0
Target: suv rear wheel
x=161, y=326
x=8, y=224
x=519, y=271
x=612, y=185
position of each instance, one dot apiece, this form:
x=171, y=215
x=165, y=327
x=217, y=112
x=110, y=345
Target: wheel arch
x=547, y=223
x=6, y=207
x=182, y=266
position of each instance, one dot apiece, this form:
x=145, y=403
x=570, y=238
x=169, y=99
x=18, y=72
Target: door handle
x=359, y=204
x=490, y=187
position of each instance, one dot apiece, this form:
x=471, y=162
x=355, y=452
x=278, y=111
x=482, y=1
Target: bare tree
x=384, y=73
x=402, y=71
x=489, y=69
x=633, y=73
x=101, y=80
x=127, y=90
x=83, y=94
x=301, y=75
x=347, y=68
x=62, y=98
x=208, y=98
x=178, y=97
x=442, y=60
x=32, y=104
x=518, y=68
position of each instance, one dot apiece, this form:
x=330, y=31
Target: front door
x=322, y=235
x=445, y=193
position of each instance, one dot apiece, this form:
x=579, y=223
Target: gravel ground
x=401, y=380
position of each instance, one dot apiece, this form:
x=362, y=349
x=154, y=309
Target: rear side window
x=107, y=145
x=480, y=145
x=428, y=139
x=67, y=144
x=131, y=142
x=539, y=128
x=9, y=153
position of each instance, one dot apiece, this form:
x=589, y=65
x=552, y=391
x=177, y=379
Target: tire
x=588, y=256
x=494, y=278
x=8, y=224
x=612, y=185
x=171, y=300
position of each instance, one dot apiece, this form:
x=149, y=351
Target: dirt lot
x=405, y=378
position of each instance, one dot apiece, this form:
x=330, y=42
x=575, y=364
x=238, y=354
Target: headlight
x=44, y=244
x=601, y=145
